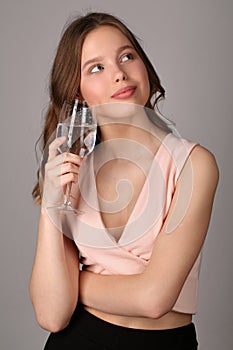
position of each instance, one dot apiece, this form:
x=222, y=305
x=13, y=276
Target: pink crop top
x=101, y=253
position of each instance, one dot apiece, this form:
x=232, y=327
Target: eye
x=127, y=57
x=96, y=68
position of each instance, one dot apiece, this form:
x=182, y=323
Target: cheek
x=140, y=70
x=87, y=92
x=147, y=85
x=91, y=92
x=145, y=75
x=84, y=88
x=145, y=79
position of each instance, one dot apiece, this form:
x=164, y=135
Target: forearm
x=54, y=279
x=125, y=295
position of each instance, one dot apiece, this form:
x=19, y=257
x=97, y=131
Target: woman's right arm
x=54, y=280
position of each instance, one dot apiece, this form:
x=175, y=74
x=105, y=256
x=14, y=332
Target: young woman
x=140, y=262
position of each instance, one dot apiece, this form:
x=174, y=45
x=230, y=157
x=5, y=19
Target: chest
x=119, y=184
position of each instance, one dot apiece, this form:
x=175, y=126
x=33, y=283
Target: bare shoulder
x=204, y=165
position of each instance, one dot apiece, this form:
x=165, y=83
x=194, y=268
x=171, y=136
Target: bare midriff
x=170, y=320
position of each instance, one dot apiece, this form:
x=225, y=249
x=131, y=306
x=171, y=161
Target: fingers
x=57, y=177
x=63, y=164
x=60, y=170
x=63, y=157
x=63, y=168
x=71, y=158
x=68, y=178
x=53, y=147
x=69, y=168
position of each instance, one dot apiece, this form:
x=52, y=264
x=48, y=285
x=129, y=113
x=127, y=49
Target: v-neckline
x=132, y=214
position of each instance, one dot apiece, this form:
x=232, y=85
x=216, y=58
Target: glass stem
x=67, y=195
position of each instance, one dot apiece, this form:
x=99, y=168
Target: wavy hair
x=65, y=74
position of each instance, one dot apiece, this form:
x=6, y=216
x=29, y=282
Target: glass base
x=67, y=209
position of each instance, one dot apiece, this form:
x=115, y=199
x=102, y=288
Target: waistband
x=104, y=332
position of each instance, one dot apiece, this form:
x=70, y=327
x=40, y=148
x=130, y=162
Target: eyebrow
x=100, y=58
x=93, y=60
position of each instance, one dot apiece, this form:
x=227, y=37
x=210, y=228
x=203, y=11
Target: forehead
x=103, y=39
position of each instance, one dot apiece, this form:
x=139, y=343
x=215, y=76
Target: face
x=111, y=69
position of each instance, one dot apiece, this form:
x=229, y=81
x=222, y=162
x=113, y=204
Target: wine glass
x=77, y=123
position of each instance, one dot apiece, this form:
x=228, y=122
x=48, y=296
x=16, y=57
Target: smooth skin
x=145, y=300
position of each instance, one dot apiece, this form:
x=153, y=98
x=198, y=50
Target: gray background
x=190, y=44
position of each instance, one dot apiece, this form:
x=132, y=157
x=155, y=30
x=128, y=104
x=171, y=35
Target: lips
x=124, y=92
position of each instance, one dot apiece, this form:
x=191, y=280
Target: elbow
x=52, y=327
x=155, y=307
x=53, y=319
x=155, y=311
x=51, y=324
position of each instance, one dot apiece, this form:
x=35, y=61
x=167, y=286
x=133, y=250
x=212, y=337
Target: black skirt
x=88, y=331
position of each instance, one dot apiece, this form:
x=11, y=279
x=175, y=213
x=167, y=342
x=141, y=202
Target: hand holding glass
x=79, y=127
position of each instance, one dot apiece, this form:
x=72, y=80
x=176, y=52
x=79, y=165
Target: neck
x=127, y=122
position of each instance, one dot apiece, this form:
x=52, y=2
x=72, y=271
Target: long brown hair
x=66, y=73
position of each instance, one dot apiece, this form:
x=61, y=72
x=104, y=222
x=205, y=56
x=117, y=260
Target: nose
x=120, y=75
x=120, y=78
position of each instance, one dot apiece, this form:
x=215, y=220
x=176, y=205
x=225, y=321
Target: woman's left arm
x=154, y=292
